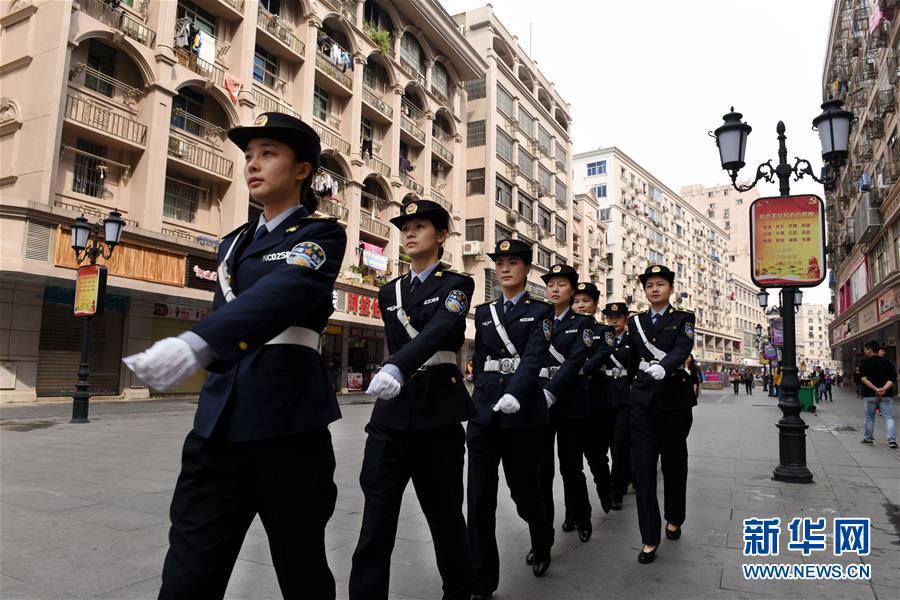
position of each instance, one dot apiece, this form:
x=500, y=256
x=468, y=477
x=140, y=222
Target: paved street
x=84, y=510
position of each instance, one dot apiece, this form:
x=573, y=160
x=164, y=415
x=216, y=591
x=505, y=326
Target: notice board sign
x=90, y=288
x=787, y=241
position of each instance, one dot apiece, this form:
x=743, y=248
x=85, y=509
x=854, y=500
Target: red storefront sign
x=362, y=305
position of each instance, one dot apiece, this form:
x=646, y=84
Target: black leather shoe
x=673, y=535
x=568, y=526
x=540, y=565
x=605, y=503
x=529, y=558
x=585, y=531
x=480, y=596
x=616, y=504
x=645, y=558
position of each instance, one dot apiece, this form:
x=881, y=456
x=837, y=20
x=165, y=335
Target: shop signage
x=362, y=305
x=787, y=241
x=201, y=273
x=355, y=382
x=177, y=311
x=769, y=352
x=886, y=304
x=90, y=287
x=777, y=332
x=868, y=315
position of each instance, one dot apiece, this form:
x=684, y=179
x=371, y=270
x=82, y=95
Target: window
x=474, y=182
x=411, y=52
x=87, y=179
x=321, y=103
x=181, y=198
x=273, y=6
x=544, y=140
x=596, y=168
x=440, y=80
x=560, y=154
x=372, y=13
x=526, y=207
x=560, y=229
x=526, y=164
x=475, y=89
x=370, y=79
x=475, y=230
x=102, y=58
x=366, y=129
x=526, y=122
x=201, y=19
x=562, y=192
x=543, y=220
x=475, y=134
x=265, y=67
x=501, y=232
x=504, y=146
x=187, y=102
x=609, y=258
x=504, y=102
x=545, y=179
x=600, y=190
x=610, y=289
x=605, y=214
x=503, y=193
x=543, y=257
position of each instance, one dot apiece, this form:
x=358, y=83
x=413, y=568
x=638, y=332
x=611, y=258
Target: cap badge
x=411, y=208
x=581, y=286
x=557, y=269
x=655, y=270
x=261, y=120
x=504, y=246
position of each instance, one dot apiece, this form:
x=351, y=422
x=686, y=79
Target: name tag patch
x=526, y=319
x=275, y=256
x=432, y=300
x=570, y=331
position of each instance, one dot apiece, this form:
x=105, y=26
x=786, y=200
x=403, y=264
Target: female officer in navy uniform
x=566, y=392
x=510, y=414
x=415, y=431
x=601, y=422
x=260, y=442
x=660, y=404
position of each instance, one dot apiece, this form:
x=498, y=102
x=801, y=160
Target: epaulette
x=315, y=217
x=442, y=272
x=536, y=299
x=684, y=310
x=486, y=303
x=235, y=231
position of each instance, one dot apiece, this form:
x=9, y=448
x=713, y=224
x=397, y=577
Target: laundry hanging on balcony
x=185, y=33
x=865, y=182
x=325, y=185
x=405, y=166
x=207, y=48
x=367, y=147
x=373, y=258
x=232, y=86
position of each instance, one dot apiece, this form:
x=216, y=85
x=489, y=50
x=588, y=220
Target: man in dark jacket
x=878, y=378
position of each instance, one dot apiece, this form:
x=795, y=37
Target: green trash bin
x=808, y=398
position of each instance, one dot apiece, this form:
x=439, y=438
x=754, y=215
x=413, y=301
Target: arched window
x=411, y=52
x=440, y=80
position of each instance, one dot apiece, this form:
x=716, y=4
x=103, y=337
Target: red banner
x=787, y=241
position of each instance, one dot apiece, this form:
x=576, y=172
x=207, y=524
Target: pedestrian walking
x=857, y=380
x=690, y=365
x=879, y=380
x=747, y=379
x=415, y=432
x=260, y=442
x=566, y=391
x=661, y=401
x=512, y=334
x=735, y=380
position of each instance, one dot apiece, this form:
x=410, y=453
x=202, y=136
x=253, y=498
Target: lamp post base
x=792, y=474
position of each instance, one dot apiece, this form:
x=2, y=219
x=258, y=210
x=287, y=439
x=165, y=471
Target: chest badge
x=547, y=326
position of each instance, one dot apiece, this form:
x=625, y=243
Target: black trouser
x=288, y=481
x=659, y=436
x=433, y=460
x=737, y=385
x=599, y=439
x=620, y=475
x=748, y=384
x=520, y=451
x=569, y=435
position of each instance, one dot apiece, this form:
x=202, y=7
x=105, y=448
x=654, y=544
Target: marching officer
x=415, y=431
x=566, y=392
x=260, y=442
x=601, y=423
x=510, y=413
x=660, y=403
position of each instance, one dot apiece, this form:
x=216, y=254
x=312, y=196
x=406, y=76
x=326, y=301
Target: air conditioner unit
x=867, y=219
x=472, y=248
x=512, y=217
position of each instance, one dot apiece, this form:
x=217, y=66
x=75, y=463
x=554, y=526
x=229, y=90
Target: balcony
x=442, y=151
x=267, y=103
x=283, y=41
x=324, y=64
x=371, y=98
x=442, y=97
x=191, y=153
x=221, y=47
x=332, y=208
x=347, y=8
x=407, y=125
x=330, y=138
x=438, y=197
x=374, y=226
x=102, y=83
x=377, y=165
x=120, y=21
x=97, y=118
x=411, y=71
x=211, y=72
x=411, y=184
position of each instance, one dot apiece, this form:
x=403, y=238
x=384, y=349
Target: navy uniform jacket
x=572, y=337
x=674, y=335
x=285, y=278
x=525, y=324
x=601, y=394
x=437, y=395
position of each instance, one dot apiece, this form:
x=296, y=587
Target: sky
x=654, y=77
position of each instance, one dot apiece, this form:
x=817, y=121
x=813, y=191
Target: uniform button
x=243, y=345
x=453, y=380
x=654, y=339
x=501, y=380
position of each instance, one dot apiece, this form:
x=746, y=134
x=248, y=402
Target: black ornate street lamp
x=833, y=126
x=87, y=246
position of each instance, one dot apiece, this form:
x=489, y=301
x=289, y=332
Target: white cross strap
x=222, y=271
x=656, y=352
x=401, y=314
x=501, y=331
x=557, y=355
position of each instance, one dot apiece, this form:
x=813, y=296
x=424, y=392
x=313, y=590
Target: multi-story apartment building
x=646, y=223
x=139, y=97
x=745, y=314
x=813, y=347
x=518, y=153
x=730, y=210
x=863, y=209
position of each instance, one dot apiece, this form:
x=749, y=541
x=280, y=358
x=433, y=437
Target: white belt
x=297, y=336
x=441, y=357
x=502, y=365
x=548, y=372
x=614, y=373
x=644, y=365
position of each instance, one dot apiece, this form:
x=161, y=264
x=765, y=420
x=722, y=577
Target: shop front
x=876, y=320
x=354, y=346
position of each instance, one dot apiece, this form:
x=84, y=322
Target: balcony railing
x=93, y=79
x=371, y=97
x=438, y=197
x=330, y=138
x=411, y=183
x=440, y=96
x=102, y=119
x=411, y=71
x=120, y=21
x=196, y=64
x=266, y=103
x=283, y=33
x=221, y=47
x=237, y=5
x=377, y=165
x=442, y=151
x=194, y=124
x=346, y=8
x=333, y=209
x=411, y=128
x=324, y=63
x=369, y=224
x=184, y=149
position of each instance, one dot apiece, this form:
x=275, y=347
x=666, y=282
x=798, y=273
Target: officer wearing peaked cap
x=260, y=442
x=415, y=432
x=510, y=414
x=660, y=402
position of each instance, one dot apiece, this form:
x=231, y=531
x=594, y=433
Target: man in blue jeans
x=879, y=378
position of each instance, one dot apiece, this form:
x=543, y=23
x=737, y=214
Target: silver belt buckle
x=616, y=372
x=553, y=371
x=506, y=365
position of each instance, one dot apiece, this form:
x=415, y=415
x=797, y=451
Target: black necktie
x=260, y=232
x=413, y=284
x=654, y=319
x=508, y=306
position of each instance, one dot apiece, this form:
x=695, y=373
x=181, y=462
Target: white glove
x=551, y=399
x=657, y=372
x=383, y=386
x=164, y=364
x=507, y=404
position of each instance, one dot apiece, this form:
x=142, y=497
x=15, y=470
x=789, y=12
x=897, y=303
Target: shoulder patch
x=306, y=254
x=689, y=329
x=610, y=338
x=547, y=302
x=587, y=336
x=457, y=302
x=547, y=326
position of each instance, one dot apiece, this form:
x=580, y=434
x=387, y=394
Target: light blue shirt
x=562, y=316
x=660, y=313
x=515, y=299
x=276, y=221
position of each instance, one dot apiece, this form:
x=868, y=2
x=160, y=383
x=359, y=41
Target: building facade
x=813, y=346
x=730, y=210
x=140, y=97
x=744, y=314
x=863, y=209
x=518, y=163
x=646, y=223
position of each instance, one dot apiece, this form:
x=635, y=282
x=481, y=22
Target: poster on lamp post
x=90, y=287
x=787, y=241
x=777, y=332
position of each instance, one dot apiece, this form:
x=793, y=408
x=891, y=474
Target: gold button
x=654, y=339
x=453, y=380
x=243, y=345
